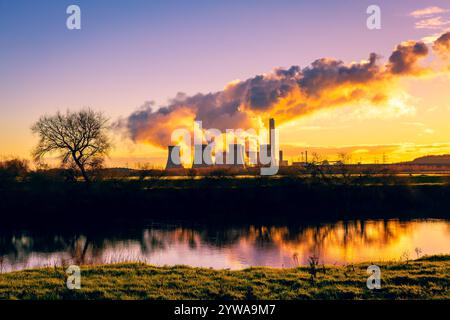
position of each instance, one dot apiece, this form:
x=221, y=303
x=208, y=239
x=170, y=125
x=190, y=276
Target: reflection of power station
x=173, y=158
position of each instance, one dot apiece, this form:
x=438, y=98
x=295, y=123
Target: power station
x=237, y=156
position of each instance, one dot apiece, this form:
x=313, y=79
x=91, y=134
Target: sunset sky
x=129, y=53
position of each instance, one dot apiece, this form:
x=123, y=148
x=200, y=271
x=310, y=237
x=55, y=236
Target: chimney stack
x=271, y=128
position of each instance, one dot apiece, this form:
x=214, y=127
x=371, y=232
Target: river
x=233, y=247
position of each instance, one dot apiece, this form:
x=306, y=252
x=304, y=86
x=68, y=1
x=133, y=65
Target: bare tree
x=343, y=167
x=79, y=138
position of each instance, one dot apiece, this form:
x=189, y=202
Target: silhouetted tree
x=13, y=169
x=78, y=137
x=343, y=167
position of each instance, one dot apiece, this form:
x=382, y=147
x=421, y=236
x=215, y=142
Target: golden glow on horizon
x=411, y=122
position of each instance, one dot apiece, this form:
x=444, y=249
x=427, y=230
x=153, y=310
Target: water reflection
x=234, y=248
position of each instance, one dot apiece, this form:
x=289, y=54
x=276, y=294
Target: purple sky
x=129, y=52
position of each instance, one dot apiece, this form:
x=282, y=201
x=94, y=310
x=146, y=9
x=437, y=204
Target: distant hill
x=441, y=159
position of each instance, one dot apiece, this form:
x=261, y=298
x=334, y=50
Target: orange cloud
x=427, y=12
x=285, y=94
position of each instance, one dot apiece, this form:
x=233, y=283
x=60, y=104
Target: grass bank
x=426, y=278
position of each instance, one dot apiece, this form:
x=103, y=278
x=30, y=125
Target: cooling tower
x=202, y=156
x=221, y=158
x=173, y=158
x=235, y=156
x=207, y=154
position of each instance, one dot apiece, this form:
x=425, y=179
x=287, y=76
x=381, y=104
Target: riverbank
x=425, y=278
x=221, y=200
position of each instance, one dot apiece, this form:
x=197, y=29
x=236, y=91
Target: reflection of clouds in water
x=231, y=248
x=370, y=241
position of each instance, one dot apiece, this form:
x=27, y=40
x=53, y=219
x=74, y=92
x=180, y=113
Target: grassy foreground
x=426, y=278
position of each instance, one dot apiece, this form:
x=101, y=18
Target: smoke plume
x=405, y=57
x=442, y=45
x=284, y=94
